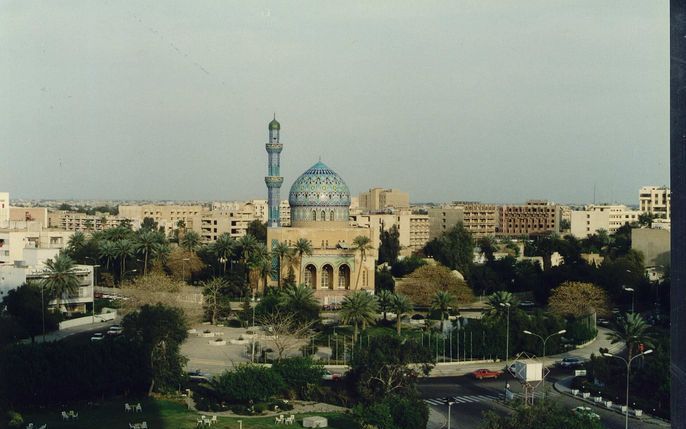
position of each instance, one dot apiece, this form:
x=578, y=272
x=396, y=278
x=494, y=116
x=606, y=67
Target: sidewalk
x=437, y=420
x=563, y=386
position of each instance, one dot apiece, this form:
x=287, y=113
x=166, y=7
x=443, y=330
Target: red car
x=480, y=374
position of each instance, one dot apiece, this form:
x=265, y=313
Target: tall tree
x=454, y=249
x=577, y=299
x=442, y=302
x=389, y=247
x=498, y=303
x=224, y=248
x=358, y=307
x=190, y=241
x=76, y=243
x=400, y=305
x=302, y=247
x=281, y=251
x=160, y=330
x=300, y=301
x=487, y=246
x=28, y=308
x=213, y=290
x=60, y=278
x=107, y=251
x=361, y=245
x=632, y=331
x=385, y=298
x=425, y=281
x=149, y=242
x=258, y=230
x=124, y=249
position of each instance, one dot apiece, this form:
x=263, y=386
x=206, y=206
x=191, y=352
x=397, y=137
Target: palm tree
x=76, y=243
x=358, y=308
x=632, y=331
x=123, y=250
x=247, y=244
x=361, y=244
x=302, y=247
x=442, y=302
x=265, y=269
x=61, y=277
x=280, y=250
x=400, y=305
x=223, y=249
x=190, y=241
x=498, y=302
x=259, y=260
x=385, y=297
x=149, y=242
x=107, y=250
x=299, y=300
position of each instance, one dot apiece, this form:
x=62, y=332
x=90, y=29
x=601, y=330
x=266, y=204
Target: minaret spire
x=273, y=178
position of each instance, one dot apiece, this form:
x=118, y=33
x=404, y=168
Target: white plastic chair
x=29, y=426
x=213, y=420
x=144, y=425
x=45, y=426
x=139, y=409
x=65, y=416
x=127, y=407
x=290, y=420
x=279, y=420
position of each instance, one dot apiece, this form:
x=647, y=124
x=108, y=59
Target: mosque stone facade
x=320, y=208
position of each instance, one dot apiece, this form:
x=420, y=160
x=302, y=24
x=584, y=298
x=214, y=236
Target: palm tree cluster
x=362, y=308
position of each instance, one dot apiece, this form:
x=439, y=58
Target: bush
x=299, y=373
x=283, y=405
x=408, y=412
x=260, y=408
x=239, y=409
x=14, y=419
x=248, y=383
x=377, y=415
x=234, y=323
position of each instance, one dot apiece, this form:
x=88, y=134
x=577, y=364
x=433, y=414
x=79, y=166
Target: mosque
x=320, y=210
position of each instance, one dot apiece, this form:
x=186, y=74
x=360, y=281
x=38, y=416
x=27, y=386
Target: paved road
x=475, y=397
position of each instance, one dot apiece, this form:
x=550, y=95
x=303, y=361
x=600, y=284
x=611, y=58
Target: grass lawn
x=159, y=414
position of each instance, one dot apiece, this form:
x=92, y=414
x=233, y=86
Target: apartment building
x=4, y=209
x=655, y=200
x=75, y=221
x=166, y=216
x=442, y=219
x=480, y=219
x=596, y=217
x=413, y=228
x=419, y=231
x=379, y=199
x=16, y=244
x=533, y=218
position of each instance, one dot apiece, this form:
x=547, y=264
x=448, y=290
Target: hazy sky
x=490, y=100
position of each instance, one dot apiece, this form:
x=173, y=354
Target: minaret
x=273, y=179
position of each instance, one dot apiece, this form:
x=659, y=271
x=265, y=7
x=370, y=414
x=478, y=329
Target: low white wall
x=88, y=319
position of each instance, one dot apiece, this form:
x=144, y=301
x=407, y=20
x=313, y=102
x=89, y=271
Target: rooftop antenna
x=593, y=193
x=274, y=115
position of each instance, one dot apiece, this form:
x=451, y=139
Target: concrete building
x=533, y=218
x=379, y=199
x=320, y=213
x=596, y=217
x=419, y=231
x=442, y=219
x=480, y=219
x=655, y=200
x=15, y=243
x=166, y=216
x=75, y=221
x=655, y=244
x=23, y=215
x=4, y=209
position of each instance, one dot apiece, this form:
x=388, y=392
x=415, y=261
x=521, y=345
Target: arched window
x=310, y=276
x=331, y=215
x=314, y=214
x=323, y=215
x=344, y=277
x=327, y=277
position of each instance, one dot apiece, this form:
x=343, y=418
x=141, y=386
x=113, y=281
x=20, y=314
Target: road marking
x=465, y=399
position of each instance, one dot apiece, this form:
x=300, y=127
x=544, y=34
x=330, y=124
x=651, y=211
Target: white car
x=115, y=330
x=328, y=375
x=586, y=412
x=98, y=336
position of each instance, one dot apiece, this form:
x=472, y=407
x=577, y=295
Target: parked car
x=328, y=375
x=570, y=362
x=586, y=412
x=115, y=330
x=198, y=376
x=98, y=336
x=603, y=322
x=480, y=374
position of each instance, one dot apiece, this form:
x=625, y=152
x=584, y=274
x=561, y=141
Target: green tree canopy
x=425, y=281
x=454, y=249
x=389, y=247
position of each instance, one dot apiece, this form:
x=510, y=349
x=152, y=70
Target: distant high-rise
x=274, y=179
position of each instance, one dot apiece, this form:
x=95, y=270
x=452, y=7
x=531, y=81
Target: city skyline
x=492, y=103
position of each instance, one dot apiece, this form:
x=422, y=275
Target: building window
x=311, y=276
x=314, y=214
x=344, y=277
x=327, y=277
x=331, y=215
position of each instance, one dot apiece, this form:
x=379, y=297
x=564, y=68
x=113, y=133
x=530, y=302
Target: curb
x=648, y=417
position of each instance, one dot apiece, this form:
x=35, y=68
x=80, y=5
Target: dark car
x=198, y=376
x=570, y=362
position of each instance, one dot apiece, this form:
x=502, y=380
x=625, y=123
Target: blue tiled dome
x=320, y=190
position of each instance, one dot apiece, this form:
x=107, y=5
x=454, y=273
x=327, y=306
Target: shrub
x=15, y=420
x=377, y=415
x=299, y=372
x=408, y=412
x=248, y=383
x=234, y=323
x=260, y=408
x=239, y=409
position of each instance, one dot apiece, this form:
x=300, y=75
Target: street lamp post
x=507, y=334
x=628, y=368
x=545, y=340
x=633, y=294
x=450, y=402
x=254, y=305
